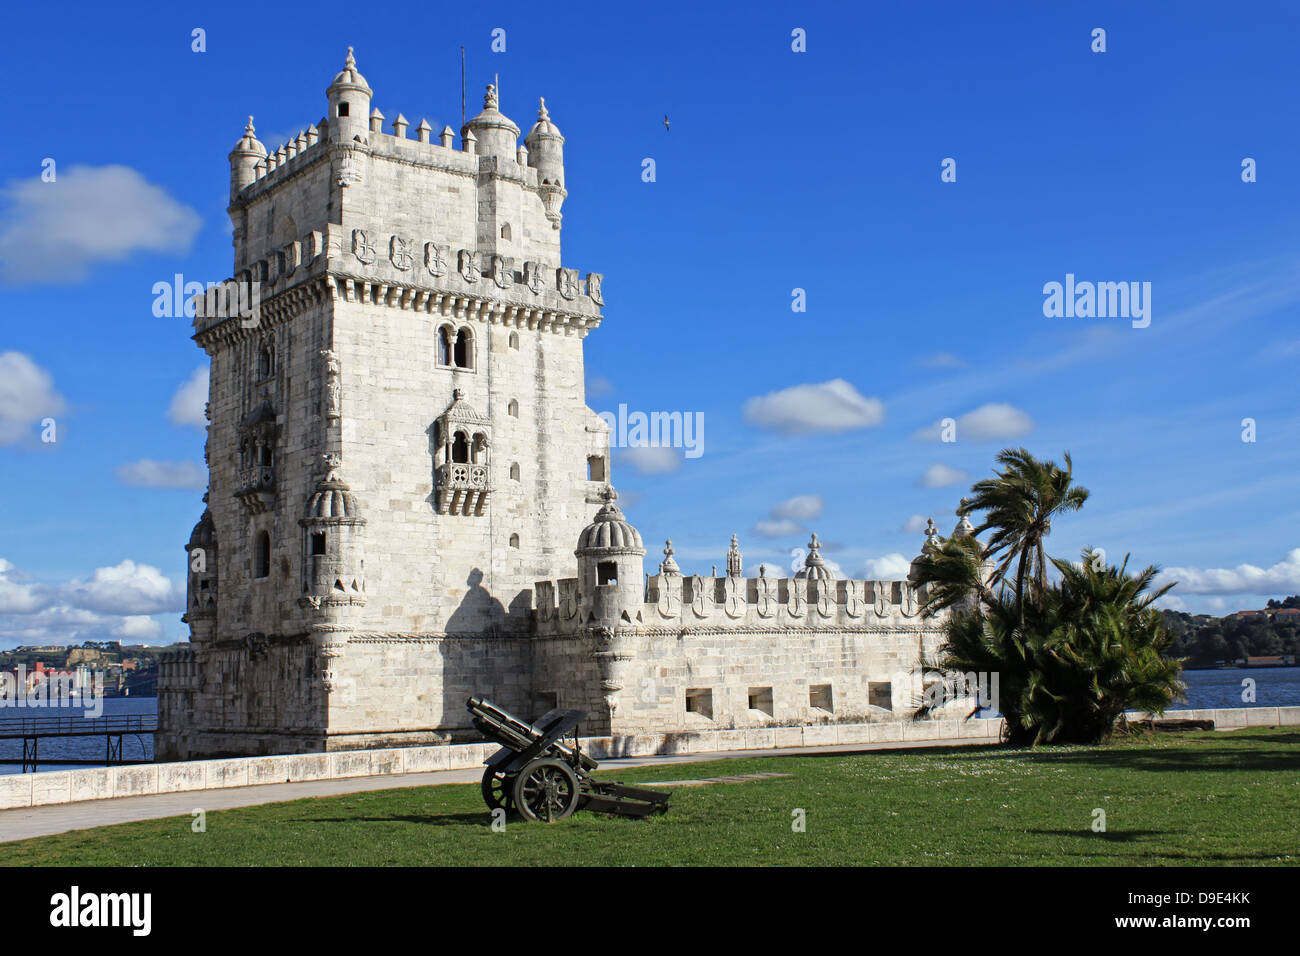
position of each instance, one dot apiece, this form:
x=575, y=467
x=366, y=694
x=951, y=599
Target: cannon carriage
x=541, y=776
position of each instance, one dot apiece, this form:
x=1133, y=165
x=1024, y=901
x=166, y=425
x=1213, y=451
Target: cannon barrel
x=509, y=729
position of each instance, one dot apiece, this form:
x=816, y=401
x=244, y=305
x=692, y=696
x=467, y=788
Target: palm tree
x=1019, y=505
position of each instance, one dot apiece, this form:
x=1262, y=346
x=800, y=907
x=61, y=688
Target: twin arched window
x=456, y=347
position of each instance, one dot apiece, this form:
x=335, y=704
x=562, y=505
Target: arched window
x=514, y=541
x=514, y=340
x=596, y=468
x=343, y=108
x=262, y=555
x=265, y=454
x=317, y=543
x=505, y=232
x=514, y=470
x=464, y=351
x=513, y=409
x=445, y=345
x=480, y=448
x=460, y=449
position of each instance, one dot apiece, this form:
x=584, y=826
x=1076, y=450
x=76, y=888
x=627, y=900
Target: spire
x=668, y=565
x=351, y=62
x=542, y=115
x=733, y=559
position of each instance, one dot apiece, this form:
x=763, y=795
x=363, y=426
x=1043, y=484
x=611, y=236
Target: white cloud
x=56, y=231
x=834, y=406
x=148, y=473
x=126, y=589
x=996, y=421
x=771, y=570
x=651, y=459
x=26, y=396
x=189, y=400
x=891, y=567
x=137, y=628
x=18, y=594
x=800, y=508
x=1281, y=579
x=780, y=528
x=914, y=525
x=942, y=476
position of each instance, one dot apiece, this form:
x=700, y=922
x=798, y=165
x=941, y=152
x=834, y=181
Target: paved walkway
x=25, y=823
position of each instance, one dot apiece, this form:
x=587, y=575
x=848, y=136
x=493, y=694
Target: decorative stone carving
x=594, y=282
x=435, y=258
x=568, y=599
x=853, y=602
x=700, y=602
x=566, y=282
x=400, y=253
x=500, y=272
x=533, y=277
x=333, y=386
x=797, y=600
x=363, y=247
x=545, y=600
x=734, y=596
x=670, y=595
x=882, y=596
x=468, y=265
x=767, y=596
x=910, y=604
x=825, y=600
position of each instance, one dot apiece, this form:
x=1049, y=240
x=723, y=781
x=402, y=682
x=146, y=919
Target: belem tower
x=409, y=501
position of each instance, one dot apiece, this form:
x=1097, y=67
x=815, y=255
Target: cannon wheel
x=546, y=790
x=497, y=789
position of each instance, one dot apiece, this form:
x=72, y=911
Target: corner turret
x=494, y=132
x=248, y=152
x=546, y=154
x=349, y=104
x=610, y=572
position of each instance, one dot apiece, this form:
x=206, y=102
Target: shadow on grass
x=439, y=820
x=1109, y=836
x=1192, y=758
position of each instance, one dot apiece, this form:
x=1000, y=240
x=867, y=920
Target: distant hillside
x=1205, y=640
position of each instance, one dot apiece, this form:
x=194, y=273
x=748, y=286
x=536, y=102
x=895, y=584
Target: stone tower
x=399, y=444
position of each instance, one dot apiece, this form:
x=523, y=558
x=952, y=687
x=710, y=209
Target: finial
x=931, y=533
x=541, y=109
x=608, y=495
x=332, y=461
x=490, y=98
x=668, y=565
x=351, y=62
x=963, y=506
x=814, y=544
x=668, y=548
x=734, y=541
x=249, y=130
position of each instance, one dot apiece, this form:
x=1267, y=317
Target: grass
x=1195, y=799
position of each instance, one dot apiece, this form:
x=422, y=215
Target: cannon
x=541, y=776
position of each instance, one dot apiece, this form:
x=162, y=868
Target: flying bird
x=667, y=128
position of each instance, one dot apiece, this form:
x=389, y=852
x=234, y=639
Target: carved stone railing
x=255, y=488
x=463, y=488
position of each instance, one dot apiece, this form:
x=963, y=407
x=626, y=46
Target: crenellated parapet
x=675, y=602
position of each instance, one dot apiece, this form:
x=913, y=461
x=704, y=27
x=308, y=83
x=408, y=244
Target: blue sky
x=817, y=170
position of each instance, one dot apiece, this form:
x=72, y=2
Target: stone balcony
x=255, y=488
x=462, y=488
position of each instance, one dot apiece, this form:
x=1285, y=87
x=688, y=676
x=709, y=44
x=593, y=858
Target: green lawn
x=1199, y=798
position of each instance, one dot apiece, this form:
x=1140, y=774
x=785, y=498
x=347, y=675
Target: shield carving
x=853, y=598
x=700, y=603
x=363, y=247
x=435, y=258
x=766, y=597
x=797, y=600
x=500, y=272
x=734, y=597
x=545, y=600
x=568, y=598
x=399, y=253
x=594, y=282
x=910, y=603
x=825, y=601
x=670, y=595
x=566, y=281
x=533, y=277
x=469, y=265
x=882, y=598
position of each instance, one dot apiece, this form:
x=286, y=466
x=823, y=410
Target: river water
x=1273, y=687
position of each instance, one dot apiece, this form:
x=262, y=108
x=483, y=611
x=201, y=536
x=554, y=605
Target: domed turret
x=546, y=155
x=610, y=573
x=495, y=133
x=333, y=558
x=814, y=566
x=349, y=99
x=248, y=152
x=201, y=581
